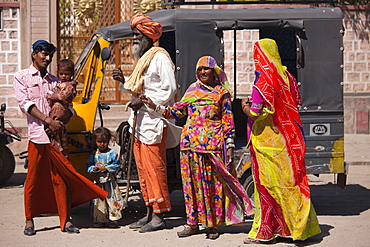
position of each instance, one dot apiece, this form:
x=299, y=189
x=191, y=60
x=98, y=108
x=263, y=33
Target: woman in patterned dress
x=212, y=193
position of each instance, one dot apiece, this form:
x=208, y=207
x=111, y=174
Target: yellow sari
x=282, y=195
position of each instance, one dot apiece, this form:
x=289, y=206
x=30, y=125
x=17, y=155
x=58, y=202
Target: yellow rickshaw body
x=89, y=72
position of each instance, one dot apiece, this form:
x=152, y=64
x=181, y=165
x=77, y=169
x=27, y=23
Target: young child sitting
x=60, y=100
x=104, y=162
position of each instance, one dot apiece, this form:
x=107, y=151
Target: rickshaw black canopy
x=198, y=32
x=168, y=18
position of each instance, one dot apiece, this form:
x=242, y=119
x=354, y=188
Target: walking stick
x=132, y=139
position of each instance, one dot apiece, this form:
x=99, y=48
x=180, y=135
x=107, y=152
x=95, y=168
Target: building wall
x=356, y=51
x=244, y=61
x=9, y=58
x=356, y=70
x=38, y=21
x=23, y=24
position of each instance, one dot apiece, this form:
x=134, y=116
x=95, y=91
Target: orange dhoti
x=50, y=180
x=151, y=165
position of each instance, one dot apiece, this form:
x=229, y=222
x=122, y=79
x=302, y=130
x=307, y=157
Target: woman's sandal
x=256, y=241
x=188, y=231
x=212, y=233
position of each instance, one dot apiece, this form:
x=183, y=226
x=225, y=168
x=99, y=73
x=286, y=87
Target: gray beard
x=138, y=49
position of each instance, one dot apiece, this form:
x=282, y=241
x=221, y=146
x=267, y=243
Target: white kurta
x=161, y=87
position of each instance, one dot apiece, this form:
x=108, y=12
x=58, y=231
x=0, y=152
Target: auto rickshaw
x=310, y=42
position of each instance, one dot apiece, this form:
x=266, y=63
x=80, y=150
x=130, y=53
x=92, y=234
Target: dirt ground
x=344, y=218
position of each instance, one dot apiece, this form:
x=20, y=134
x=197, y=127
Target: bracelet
x=245, y=105
x=229, y=140
x=45, y=118
x=230, y=145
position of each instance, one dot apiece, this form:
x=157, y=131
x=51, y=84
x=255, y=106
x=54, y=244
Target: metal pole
x=132, y=140
x=235, y=72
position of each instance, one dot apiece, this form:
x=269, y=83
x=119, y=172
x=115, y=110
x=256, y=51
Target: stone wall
x=22, y=25
x=9, y=59
x=356, y=50
x=244, y=61
x=356, y=70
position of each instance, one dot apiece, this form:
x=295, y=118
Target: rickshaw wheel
x=248, y=185
x=124, y=141
x=7, y=164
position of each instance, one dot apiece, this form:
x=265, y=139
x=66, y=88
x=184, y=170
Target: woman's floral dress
x=212, y=195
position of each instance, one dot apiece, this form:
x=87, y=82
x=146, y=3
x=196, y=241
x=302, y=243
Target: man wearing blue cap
x=52, y=184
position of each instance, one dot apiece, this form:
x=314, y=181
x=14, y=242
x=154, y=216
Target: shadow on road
x=136, y=209
x=310, y=241
x=329, y=199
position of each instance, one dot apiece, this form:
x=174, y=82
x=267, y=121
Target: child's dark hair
x=101, y=131
x=66, y=63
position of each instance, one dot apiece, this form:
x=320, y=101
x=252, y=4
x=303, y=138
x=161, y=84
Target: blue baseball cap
x=38, y=42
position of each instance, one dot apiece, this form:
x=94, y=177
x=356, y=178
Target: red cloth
x=147, y=26
x=50, y=176
x=278, y=96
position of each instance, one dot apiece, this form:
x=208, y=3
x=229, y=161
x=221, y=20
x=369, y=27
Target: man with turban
x=153, y=76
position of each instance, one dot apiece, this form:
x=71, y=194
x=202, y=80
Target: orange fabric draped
x=151, y=164
x=50, y=176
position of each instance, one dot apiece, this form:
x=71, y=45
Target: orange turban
x=147, y=26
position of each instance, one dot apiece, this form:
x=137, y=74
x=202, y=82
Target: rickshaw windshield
x=84, y=55
x=86, y=71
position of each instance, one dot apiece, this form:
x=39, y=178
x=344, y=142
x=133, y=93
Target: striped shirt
x=30, y=89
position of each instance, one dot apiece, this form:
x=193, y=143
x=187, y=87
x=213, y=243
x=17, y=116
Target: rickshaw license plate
x=319, y=129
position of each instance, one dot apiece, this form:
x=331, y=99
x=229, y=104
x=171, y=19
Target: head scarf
x=273, y=84
x=201, y=92
x=271, y=51
x=208, y=61
x=147, y=26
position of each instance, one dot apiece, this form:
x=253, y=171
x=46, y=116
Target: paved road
x=344, y=218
